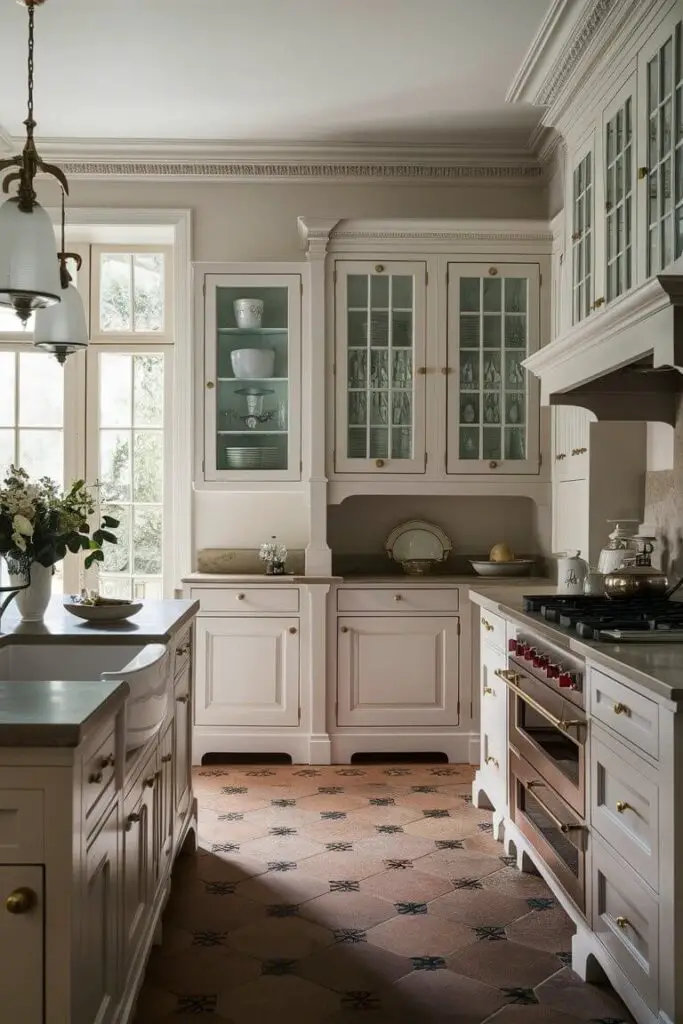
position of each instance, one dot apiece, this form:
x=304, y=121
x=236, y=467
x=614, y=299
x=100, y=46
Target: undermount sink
x=145, y=668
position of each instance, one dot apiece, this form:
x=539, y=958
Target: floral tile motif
x=564, y=958
x=224, y=847
x=283, y=803
x=398, y=864
x=491, y=933
x=428, y=963
x=209, y=938
x=330, y=790
x=523, y=996
x=443, y=772
x=541, y=902
x=307, y=773
x=449, y=844
x=350, y=935
x=509, y=862
x=411, y=908
x=211, y=773
x=382, y=801
x=282, y=865
x=423, y=789
x=350, y=772
x=282, y=830
x=360, y=1001
x=197, y=1004
x=344, y=885
x=436, y=813
x=220, y=888
x=283, y=909
x=333, y=815
x=339, y=847
x=233, y=790
x=278, y=966
x=260, y=773
x=389, y=830
x=466, y=883
x=485, y=826
x=231, y=816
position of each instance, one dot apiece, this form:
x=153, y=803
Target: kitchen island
x=95, y=803
x=581, y=751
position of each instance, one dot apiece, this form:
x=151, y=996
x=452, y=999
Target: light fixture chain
x=30, y=123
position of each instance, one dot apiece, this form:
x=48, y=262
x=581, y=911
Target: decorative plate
x=417, y=540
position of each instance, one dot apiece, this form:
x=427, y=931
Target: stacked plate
x=252, y=457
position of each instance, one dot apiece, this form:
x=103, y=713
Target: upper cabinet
x=380, y=366
x=492, y=408
x=250, y=376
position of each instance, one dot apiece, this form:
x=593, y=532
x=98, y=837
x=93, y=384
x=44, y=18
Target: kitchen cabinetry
x=492, y=776
x=22, y=935
x=399, y=670
x=182, y=749
x=99, y=951
x=249, y=374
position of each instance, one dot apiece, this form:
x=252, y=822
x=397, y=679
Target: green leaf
x=84, y=527
x=94, y=556
x=98, y=537
x=110, y=522
x=74, y=544
x=111, y=538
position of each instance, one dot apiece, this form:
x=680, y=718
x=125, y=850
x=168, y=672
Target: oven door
x=551, y=827
x=550, y=733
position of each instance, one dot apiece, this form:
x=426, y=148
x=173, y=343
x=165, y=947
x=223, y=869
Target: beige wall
x=258, y=221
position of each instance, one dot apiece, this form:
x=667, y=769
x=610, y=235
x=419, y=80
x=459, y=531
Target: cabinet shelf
x=254, y=433
x=253, y=330
x=246, y=381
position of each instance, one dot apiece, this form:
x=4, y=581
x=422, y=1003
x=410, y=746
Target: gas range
x=592, y=617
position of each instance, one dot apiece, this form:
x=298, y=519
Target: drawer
x=629, y=714
x=494, y=754
x=492, y=629
x=398, y=599
x=98, y=773
x=234, y=600
x=183, y=651
x=21, y=826
x=625, y=918
x=625, y=806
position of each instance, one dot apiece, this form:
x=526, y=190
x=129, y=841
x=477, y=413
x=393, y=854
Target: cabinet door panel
x=581, y=206
x=21, y=941
x=100, y=923
x=182, y=734
x=398, y=671
x=247, y=671
x=138, y=867
x=618, y=192
x=380, y=367
x=571, y=515
x=493, y=717
x=252, y=386
x=164, y=796
x=493, y=403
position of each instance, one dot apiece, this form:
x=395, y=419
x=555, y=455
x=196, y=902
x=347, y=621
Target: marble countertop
x=257, y=578
x=55, y=714
x=400, y=578
x=156, y=622
x=657, y=667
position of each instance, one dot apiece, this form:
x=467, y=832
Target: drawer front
x=182, y=651
x=629, y=714
x=98, y=773
x=21, y=826
x=235, y=600
x=492, y=629
x=625, y=917
x=494, y=756
x=398, y=599
x=625, y=807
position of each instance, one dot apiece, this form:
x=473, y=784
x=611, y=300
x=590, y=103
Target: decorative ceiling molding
x=594, y=15
x=546, y=39
x=515, y=171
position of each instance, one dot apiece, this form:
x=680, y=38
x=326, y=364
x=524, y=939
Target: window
x=105, y=416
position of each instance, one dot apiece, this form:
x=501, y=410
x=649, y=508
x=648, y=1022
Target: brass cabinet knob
x=398, y=597
x=95, y=778
x=560, y=456
x=21, y=901
x=240, y=597
x=183, y=698
x=182, y=650
x=623, y=806
x=344, y=629
x=488, y=690
x=598, y=302
x=643, y=172
x=493, y=271
x=107, y=761
x=210, y=384
x=492, y=761
x=166, y=758
x=149, y=782
x=421, y=370
x=131, y=820
x=379, y=463
x=446, y=370
x=379, y=267
x=621, y=709
x=622, y=922
x=493, y=464
x=292, y=629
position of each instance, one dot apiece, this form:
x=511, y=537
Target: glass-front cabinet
x=252, y=392
x=492, y=410
x=619, y=184
x=380, y=367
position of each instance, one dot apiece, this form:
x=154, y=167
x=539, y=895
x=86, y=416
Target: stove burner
x=589, y=616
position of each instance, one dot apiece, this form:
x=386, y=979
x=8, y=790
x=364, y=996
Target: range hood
x=624, y=362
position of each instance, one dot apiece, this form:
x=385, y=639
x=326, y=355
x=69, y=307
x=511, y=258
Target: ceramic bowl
x=103, y=612
x=248, y=313
x=253, y=363
x=517, y=567
x=418, y=566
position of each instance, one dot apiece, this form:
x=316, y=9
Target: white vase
x=33, y=600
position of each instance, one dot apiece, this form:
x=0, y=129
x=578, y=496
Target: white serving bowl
x=248, y=313
x=517, y=567
x=253, y=363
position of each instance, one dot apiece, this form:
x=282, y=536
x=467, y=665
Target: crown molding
x=551, y=35
x=433, y=235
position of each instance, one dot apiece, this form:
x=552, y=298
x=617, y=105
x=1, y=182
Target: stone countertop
x=656, y=667
x=55, y=714
x=397, y=578
x=156, y=622
x=257, y=578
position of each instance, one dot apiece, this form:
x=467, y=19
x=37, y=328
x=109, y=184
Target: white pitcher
x=571, y=572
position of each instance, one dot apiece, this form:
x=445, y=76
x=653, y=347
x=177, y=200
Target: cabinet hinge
x=426, y=459
x=203, y=466
x=540, y=280
x=334, y=369
x=458, y=627
x=204, y=290
x=426, y=277
x=301, y=287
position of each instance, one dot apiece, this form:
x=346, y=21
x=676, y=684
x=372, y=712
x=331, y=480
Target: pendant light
x=62, y=328
x=29, y=274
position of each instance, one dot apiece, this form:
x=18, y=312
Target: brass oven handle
x=621, y=709
x=487, y=625
x=509, y=678
x=622, y=922
x=623, y=806
x=563, y=826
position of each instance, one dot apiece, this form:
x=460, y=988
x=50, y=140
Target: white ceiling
x=380, y=71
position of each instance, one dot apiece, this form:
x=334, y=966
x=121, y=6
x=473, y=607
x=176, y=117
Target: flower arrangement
x=40, y=523
x=274, y=555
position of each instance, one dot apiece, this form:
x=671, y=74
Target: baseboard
x=207, y=740
x=456, y=746
x=320, y=749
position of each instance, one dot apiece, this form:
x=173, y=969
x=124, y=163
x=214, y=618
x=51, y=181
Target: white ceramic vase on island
x=33, y=600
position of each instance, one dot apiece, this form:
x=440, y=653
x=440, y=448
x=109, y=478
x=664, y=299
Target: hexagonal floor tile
x=504, y=964
x=448, y=996
x=405, y=886
x=337, y=910
x=199, y=969
x=285, y=998
x=544, y=929
x=420, y=936
x=517, y=883
x=565, y=990
x=283, y=887
x=478, y=907
x=290, y=938
x=343, y=864
x=347, y=968
x=457, y=863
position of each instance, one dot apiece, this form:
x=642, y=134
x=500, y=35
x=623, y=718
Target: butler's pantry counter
x=581, y=751
x=95, y=803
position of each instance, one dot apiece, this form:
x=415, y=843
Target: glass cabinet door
x=661, y=86
x=582, y=196
x=493, y=414
x=619, y=166
x=380, y=367
x=252, y=377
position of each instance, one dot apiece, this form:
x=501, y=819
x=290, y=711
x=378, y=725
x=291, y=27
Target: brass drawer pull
x=241, y=597
x=510, y=679
x=166, y=758
x=622, y=922
x=21, y=901
x=182, y=650
x=132, y=820
x=150, y=782
x=107, y=761
x=379, y=463
x=488, y=690
x=623, y=806
x=210, y=385
x=492, y=761
x=621, y=709
x=487, y=625
x=398, y=597
x=293, y=629
x=183, y=698
x=344, y=629
x=95, y=778
x=493, y=464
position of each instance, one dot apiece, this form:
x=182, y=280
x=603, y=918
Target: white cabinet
x=380, y=366
x=571, y=441
x=398, y=671
x=249, y=381
x=571, y=502
x=182, y=740
x=581, y=209
x=247, y=671
x=492, y=777
x=493, y=325
x=100, y=921
x=137, y=861
x=22, y=967
x=164, y=796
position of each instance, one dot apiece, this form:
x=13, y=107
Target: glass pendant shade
x=62, y=328
x=29, y=269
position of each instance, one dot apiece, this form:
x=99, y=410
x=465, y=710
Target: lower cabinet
x=247, y=671
x=493, y=715
x=182, y=746
x=163, y=795
x=22, y=966
x=398, y=670
x=138, y=863
x=98, y=967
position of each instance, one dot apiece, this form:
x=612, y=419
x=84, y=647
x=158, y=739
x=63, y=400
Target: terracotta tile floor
x=335, y=894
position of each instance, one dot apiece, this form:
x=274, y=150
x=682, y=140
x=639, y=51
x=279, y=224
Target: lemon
x=501, y=553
